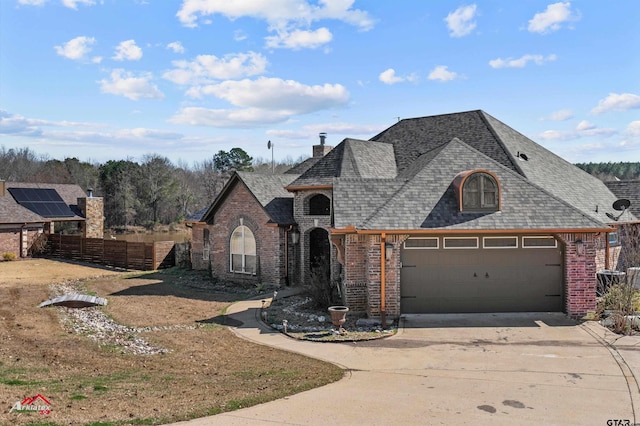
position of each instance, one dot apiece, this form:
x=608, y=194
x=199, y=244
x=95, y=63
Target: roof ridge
x=483, y=116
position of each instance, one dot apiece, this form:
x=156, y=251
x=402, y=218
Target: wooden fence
x=116, y=253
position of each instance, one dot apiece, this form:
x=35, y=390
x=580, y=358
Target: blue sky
x=118, y=79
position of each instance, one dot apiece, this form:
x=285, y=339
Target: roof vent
x=522, y=156
x=90, y=192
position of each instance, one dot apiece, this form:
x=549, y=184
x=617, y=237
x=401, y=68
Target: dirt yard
x=202, y=367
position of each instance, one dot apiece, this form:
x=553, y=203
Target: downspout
x=383, y=280
x=607, y=246
x=286, y=254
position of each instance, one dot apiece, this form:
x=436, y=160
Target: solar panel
x=44, y=202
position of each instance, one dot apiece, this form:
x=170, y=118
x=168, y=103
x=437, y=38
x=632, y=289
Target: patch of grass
x=78, y=397
x=100, y=388
x=251, y=375
x=43, y=424
x=18, y=382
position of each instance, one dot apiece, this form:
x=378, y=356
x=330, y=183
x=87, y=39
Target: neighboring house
x=448, y=213
x=628, y=190
x=31, y=209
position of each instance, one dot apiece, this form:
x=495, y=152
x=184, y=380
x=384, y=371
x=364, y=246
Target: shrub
x=9, y=256
x=320, y=288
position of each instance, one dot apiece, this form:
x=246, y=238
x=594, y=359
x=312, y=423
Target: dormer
x=477, y=191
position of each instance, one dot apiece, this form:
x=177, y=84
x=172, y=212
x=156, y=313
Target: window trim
x=539, y=237
x=445, y=239
x=459, y=184
x=243, y=254
x=614, y=239
x=206, y=244
x=514, y=237
x=422, y=248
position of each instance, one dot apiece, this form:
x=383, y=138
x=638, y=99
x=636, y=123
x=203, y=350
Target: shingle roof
x=12, y=212
x=352, y=158
x=554, y=174
x=269, y=191
x=427, y=200
x=627, y=189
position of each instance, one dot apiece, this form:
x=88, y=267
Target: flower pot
x=338, y=315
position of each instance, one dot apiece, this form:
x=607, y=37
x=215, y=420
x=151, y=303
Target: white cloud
x=32, y=2
x=552, y=18
x=240, y=118
x=127, y=51
x=298, y=39
x=617, y=102
x=239, y=35
x=176, y=46
x=205, y=68
x=311, y=132
x=260, y=102
x=389, y=77
x=278, y=13
x=125, y=84
x=77, y=48
x=582, y=130
x=73, y=4
x=560, y=115
x=521, y=61
x=461, y=21
x=277, y=94
x=441, y=73
x=634, y=128
x=290, y=20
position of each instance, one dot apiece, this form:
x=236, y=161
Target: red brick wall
x=10, y=241
x=580, y=274
x=240, y=205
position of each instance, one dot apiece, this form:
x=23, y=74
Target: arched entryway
x=319, y=250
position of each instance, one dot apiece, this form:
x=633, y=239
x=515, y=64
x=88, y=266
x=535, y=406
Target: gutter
x=353, y=230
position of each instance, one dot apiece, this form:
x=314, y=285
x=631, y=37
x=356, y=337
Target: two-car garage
x=505, y=273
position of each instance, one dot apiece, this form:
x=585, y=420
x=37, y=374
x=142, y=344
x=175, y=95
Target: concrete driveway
x=458, y=369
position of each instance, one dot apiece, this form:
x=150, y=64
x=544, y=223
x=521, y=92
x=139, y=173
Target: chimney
x=322, y=149
x=2, y=188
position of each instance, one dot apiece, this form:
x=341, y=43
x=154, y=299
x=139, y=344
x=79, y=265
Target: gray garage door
x=490, y=274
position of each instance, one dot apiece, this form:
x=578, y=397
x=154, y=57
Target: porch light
x=388, y=250
x=579, y=247
x=295, y=237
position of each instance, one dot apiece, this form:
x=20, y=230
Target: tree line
x=612, y=171
x=153, y=191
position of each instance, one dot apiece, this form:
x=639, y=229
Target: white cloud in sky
x=298, y=39
x=127, y=51
x=389, y=77
x=441, y=73
x=583, y=129
x=277, y=94
x=617, y=102
x=290, y=20
x=552, y=18
x=73, y=4
x=77, y=48
x=176, y=47
x=260, y=102
x=205, y=68
x=123, y=83
x=521, y=61
x=278, y=13
x=634, y=128
x=32, y=2
x=560, y=115
x=461, y=21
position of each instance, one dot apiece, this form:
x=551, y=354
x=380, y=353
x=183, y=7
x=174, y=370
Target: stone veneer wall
x=93, y=210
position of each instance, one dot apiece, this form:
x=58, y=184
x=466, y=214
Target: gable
x=428, y=200
x=629, y=190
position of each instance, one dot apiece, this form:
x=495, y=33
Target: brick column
x=580, y=274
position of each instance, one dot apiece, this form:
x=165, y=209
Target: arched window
x=480, y=191
x=319, y=205
x=243, y=250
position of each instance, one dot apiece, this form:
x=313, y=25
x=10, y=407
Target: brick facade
x=580, y=273
x=241, y=208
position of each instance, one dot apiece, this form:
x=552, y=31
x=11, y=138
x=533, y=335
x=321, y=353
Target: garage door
x=481, y=274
